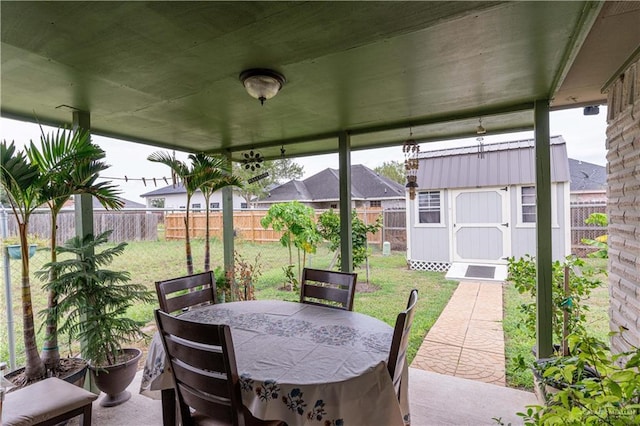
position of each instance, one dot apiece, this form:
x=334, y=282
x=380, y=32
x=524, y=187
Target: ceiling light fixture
x=262, y=84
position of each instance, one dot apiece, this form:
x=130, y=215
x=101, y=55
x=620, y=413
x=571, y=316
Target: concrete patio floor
x=435, y=399
x=456, y=378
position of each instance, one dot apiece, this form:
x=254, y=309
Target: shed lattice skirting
x=422, y=265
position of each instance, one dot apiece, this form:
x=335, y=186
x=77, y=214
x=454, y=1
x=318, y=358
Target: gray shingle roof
x=587, y=176
x=504, y=163
x=166, y=190
x=324, y=186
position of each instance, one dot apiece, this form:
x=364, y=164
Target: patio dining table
x=299, y=363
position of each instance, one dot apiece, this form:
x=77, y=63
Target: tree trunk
x=187, y=245
x=207, y=255
x=34, y=368
x=50, y=353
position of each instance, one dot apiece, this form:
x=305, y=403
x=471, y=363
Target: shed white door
x=480, y=225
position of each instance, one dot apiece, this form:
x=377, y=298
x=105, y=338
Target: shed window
x=214, y=205
x=196, y=205
x=528, y=200
x=429, y=207
x=375, y=203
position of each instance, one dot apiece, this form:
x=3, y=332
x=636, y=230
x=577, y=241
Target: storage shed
x=476, y=206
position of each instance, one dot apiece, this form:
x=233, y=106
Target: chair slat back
x=204, y=368
x=328, y=288
x=178, y=294
x=400, y=341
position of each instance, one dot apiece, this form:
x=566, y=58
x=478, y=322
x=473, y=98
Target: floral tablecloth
x=303, y=364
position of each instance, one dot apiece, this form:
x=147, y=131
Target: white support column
x=544, y=258
x=346, y=239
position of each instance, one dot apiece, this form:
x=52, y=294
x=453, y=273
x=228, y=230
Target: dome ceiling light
x=262, y=84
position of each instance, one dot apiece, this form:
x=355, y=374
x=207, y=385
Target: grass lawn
x=517, y=340
x=148, y=262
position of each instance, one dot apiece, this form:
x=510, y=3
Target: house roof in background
x=503, y=163
x=128, y=204
x=166, y=190
x=324, y=186
x=587, y=176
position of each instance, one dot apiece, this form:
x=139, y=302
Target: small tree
x=295, y=221
x=23, y=183
x=393, y=170
x=94, y=300
x=601, y=243
x=200, y=173
x=329, y=229
x=210, y=167
x=70, y=164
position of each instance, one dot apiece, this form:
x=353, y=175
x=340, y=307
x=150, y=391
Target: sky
x=585, y=137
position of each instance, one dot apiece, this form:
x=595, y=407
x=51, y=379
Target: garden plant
x=67, y=163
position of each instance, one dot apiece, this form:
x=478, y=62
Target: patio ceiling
x=166, y=73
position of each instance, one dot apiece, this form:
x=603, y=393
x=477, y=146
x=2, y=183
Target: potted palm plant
x=92, y=309
x=67, y=163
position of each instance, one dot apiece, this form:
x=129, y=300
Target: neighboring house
x=474, y=210
x=128, y=204
x=322, y=190
x=588, y=182
x=175, y=197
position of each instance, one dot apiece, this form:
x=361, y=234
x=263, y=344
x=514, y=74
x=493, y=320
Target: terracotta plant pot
x=114, y=379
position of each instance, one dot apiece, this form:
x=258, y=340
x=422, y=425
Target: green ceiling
x=166, y=73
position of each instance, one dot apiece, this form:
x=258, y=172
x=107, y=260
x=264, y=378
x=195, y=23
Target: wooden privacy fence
x=126, y=225
x=246, y=224
x=579, y=230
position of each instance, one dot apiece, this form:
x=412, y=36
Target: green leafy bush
x=599, y=219
x=522, y=273
x=611, y=396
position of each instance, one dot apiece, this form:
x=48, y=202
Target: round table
x=303, y=364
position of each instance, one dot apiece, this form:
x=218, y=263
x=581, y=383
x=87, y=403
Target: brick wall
x=623, y=179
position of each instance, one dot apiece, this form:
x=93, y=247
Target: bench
x=47, y=402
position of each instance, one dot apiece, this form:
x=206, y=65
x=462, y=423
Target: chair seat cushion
x=42, y=401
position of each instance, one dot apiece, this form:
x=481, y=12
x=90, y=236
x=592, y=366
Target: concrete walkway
x=467, y=340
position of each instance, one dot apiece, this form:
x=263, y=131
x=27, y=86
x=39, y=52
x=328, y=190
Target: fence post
x=7, y=290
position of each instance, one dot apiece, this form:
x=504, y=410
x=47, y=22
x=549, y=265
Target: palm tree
x=70, y=164
x=193, y=177
x=22, y=182
x=210, y=168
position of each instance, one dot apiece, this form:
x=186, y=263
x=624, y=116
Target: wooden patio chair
x=180, y=294
x=400, y=341
x=328, y=288
x=203, y=365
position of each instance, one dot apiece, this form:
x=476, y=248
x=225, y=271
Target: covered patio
x=355, y=75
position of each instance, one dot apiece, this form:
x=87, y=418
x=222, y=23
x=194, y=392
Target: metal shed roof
x=504, y=163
